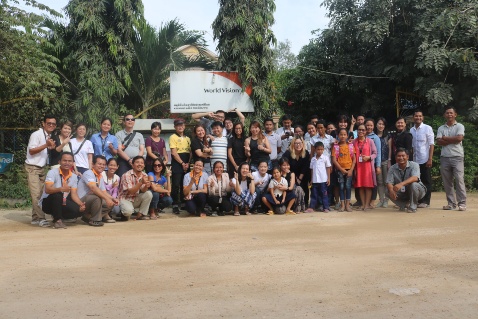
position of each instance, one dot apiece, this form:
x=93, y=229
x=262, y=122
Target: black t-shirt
x=401, y=140
x=197, y=144
x=238, y=151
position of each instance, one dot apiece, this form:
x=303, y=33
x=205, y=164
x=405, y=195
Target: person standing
x=286, y=133
x=236, y=153
x=256, y=146
x=180, y=146
x=155, y=147
x=274, y=142
x=130, y=145
x=62, y=143
x=452, y=160
x=401, y=139
x=83, y=151
x=423, y=146
x=369, y=129
x=220, y=116
x=38, y=150
x=105, y=143
x=218, y=145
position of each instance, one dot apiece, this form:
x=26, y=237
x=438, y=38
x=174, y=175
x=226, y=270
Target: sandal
x=248, y=213
x=289, y=212
x=95, y=223
x=448, y=207
x=153, y=217
x=237, y=214
x=270, y=212
x=109, y=220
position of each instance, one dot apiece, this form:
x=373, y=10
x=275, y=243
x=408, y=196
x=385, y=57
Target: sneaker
x=337, y=206
x=176, y=210
x=461, y=208
x=402, y=208
x=214, y=214
x=380, y=204
x=95, y=223
x=326, y=210
x=410, y=210
x=35, y=222
x=422, y=205
x=59, y=224
x=70, y=220
x=43, y=223
x=385, y=204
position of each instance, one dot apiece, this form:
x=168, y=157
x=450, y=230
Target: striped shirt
x=219, y=151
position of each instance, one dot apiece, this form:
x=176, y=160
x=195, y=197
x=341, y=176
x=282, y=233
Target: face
x=138, y=165
x=380, y=126
x=285, y=167
x=218, y=169
x=343, y=124
x=200, y=132
x=81, y=131
x=217, y=131
x=244, y=170
x=156, y=131
x=66, y=162
x=321, y=129
x=276, y=174
x=287, y=124
x=49, y=125
x=401, y=158
x=360, y=119
x=157, y=167
x=238, y=129
x=299, y=131
x=311, y=130
x=298, y=145
x=255, y=130
x=263, y=168
x=330, y=128
x=450, y=115
x=418, y=118
x=198, y=166
x=228, y=125
x=100, y=165
x=106, y=126
x=369, y=127
x=268, y=126
x=220, y=116
x=361, y=130
x=343, y=136
x=314, y=121
x=180, y=128
x=112, y=167
x=400, y=125
x=129, y=121
x=65, y=131
x=319, y=150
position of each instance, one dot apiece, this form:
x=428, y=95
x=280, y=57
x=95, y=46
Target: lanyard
x=404, y=173
x=103, y=143
x=65, y=194
x=219, y=185
x=361, y=148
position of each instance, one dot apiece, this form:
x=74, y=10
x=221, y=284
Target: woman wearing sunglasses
x=160, y=179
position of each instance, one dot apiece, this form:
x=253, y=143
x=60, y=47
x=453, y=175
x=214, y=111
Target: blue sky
x=295, y=20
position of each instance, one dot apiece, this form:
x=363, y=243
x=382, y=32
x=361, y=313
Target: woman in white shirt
x=218, y=187
x=244, y=193
x=82, y=149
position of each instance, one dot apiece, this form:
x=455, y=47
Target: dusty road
x=379, y=264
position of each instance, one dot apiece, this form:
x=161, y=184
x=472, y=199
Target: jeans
x=160, y=202
x=319, y=191
x=345, y=183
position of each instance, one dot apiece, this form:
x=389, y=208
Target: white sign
x=208, y=91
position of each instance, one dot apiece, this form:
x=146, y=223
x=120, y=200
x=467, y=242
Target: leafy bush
x=469, y=143
x=14, y=186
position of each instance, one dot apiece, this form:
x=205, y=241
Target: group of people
x=287, y=171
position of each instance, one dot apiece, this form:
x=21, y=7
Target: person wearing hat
x=218, y=145
x=180, y=146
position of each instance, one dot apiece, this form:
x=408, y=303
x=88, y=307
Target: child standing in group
x=277, y=196
x=320, y=170
x=343, y=158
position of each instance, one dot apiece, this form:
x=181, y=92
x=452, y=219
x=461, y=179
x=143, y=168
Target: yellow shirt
x=182, y=144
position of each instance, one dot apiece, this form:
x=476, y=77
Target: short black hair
x=96, y=157
x=217, y=123
x=286, y=117
x=137, y=158
x=321, y=122
x=156, y=125
x=49, y=116
x=66, y=153
x=400, y=150
x=268, y=119
x=318, y=144
x=448, y=107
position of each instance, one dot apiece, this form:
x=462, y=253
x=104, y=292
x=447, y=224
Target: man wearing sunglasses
x=38, y=150
x=130, y=145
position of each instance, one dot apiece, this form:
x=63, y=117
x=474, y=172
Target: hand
x=185, y=166
x=65, y=188
x=82, y=207
x=67, y=140
x=429, y=163
x=250, y=175
x=236, y=176
x=232, y=110
x=353, y=120
x=115, y=201
x=110, y=146
x=247, y=148
x=397, y=187
x=115, y=184
x=350, y=173
x=109, y=203
x=276, y=201
x=212, y=183
x=392, y=195
x=328, y=182
x=378, y=170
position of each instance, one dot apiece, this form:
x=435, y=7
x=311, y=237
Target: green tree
x=29, y=83
x=284, y=59
x=155, y=55
x=99, y=47
x=243, y=31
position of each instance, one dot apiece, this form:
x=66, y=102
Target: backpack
x=337, y=150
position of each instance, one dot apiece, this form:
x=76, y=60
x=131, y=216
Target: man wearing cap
x=180, y=146
x=130, y=144
x=37, y=159
x=92, y=192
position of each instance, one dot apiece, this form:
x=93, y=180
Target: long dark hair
x=204, y=140
x=163, y=167
x=385, y=131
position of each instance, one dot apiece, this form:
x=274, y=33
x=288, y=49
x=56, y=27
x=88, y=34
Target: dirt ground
x=378, y=264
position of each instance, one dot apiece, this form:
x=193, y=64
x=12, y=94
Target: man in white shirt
x=423, y=147
x=274, y=141
x=286, y=133
x=38, y=149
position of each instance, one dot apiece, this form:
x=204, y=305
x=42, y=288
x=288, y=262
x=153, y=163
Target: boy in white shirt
x=320, y=171
x=261, y=180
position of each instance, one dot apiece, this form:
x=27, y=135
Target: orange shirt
x=344, y=159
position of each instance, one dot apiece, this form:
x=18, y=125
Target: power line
x=342, y=74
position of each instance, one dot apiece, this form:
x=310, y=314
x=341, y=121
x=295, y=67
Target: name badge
x=402, y=189
x=360, y=159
